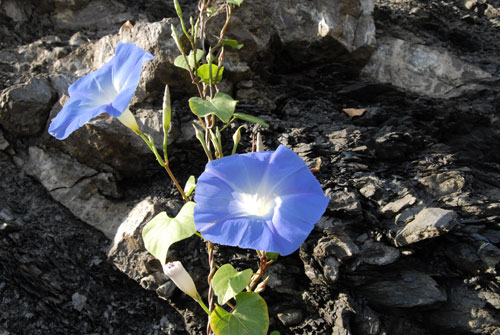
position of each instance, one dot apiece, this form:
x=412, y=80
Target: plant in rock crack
x=268, y=201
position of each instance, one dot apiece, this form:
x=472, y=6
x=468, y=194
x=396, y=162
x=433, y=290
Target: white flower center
x=253, y=204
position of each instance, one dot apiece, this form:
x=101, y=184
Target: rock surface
x=421, y=69
x=410, y=242
x=24, y=108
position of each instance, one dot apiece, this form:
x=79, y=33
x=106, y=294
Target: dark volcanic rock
x=24, y=108
x=411, y=289
x=410, y=242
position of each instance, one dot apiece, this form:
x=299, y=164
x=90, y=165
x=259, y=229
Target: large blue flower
x=109, y=89
x=265, y=200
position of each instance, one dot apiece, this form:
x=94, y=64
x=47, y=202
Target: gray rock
x=464, y=256
x=56, y=170
x=340, y=246
x=490, y=255
x=338, y=314
x=444, y=183
x=24, y=108
x=291, y=317
x=345, y=202
x=127, y=252
x=395, y=207
x=78, y=300
x=491, y=298
x=410, y=289
x=421, y=69
x=347, y=25
x=377, y=253
x=78, y=188
x=3, y=142
x=97, y=14
x=466, y=312
x=428, y=223
x=6, y=215
x=331, y=269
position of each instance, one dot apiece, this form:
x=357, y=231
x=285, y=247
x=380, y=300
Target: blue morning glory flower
x=109, y=89
x=265, y=200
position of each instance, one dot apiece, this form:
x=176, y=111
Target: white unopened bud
x=259, y=143
x=181, y=278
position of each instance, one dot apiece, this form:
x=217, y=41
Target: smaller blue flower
x=265, y=200
x=108, y=89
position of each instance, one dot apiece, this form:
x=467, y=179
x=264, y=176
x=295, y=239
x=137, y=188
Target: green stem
x=202, y=304
x=150, y=143
x=152, y=148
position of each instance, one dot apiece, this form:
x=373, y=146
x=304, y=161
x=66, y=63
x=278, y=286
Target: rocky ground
x=407, y=141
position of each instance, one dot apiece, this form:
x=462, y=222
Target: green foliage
x=274, y=332
x=249, y=318
x=181, y=62
x=204, y=73
x=232, y=43
x=235, y=2
x=221, y=105
x=272, y=255
x=250, y=118
x=162, y=231
x=228, y=282
x=190, y=186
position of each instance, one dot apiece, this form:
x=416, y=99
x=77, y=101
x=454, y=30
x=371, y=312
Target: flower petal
x=76, y=112
x=295, y=218
x=96, y=86
x=127, y=65
x=108, y=89
x=265, y=200
x=244, y=232
x=243, y=173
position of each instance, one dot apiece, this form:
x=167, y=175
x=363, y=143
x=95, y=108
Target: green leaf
x=211, y=10
x=221, y=105
x=272, y=255
x=232, y=43
x=162, y=231
x=228, y=282
x=250, y=118
x=274, y=332
x=204, y=73
x=190, y=186
x=249, y=318
x=235, y=2
x=181, y=62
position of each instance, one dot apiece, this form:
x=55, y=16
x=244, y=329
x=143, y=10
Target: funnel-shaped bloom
x=108, y=89
x=181, y=278
x=265, y=200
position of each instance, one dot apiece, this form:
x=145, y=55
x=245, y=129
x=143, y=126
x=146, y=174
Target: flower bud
x=262, y=285
x=167, y=109
x=236, y=139
x=181, y=278
x=259, y=143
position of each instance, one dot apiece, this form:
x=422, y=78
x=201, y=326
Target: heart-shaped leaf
x=249, y=318
x=221, y=105
x=162, y=231
x=232, y=43
x=204, y=73
x=228, y=282
x=250, y=118
x=190, y=186
x=235, y=2
x=181, y=62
